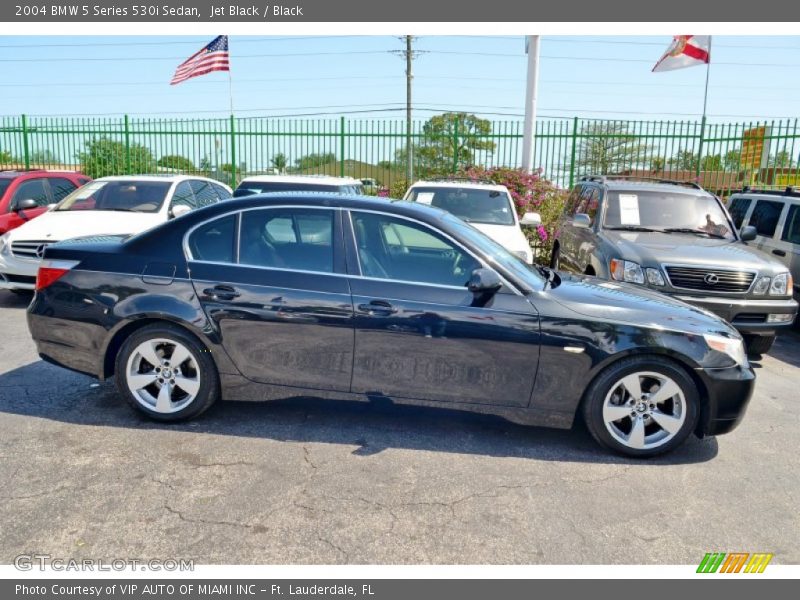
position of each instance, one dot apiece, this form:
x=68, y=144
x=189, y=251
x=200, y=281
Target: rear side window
x=184, y=196
x=791, y=231
x=222, y=193
x=738, y=210
x=32, y=189
x=765, y=217
x=214, y=241
x=61, y=188
x=203, y=193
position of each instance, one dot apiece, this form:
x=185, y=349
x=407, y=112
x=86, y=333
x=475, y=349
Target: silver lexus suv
x=679, y=239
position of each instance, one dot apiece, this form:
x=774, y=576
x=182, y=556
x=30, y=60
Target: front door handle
x=377, y=307
x=221, y=292
x=777, y=252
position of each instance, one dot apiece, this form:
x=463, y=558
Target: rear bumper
x=729, y=392
x=747, y=315
x=69, y=344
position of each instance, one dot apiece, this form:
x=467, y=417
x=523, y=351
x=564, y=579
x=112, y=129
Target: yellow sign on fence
x=755, y=148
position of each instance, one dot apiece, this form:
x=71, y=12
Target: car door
x=272, y=282
x=765, y=218
x=419, y=332
x=35, y=189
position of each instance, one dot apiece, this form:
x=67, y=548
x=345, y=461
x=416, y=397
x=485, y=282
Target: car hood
x=63, y=225
x=654, y=248
x=624, y=302
x=509, y=236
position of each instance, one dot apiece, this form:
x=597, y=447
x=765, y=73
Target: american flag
x=213, y=57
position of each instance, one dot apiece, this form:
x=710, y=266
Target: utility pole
x=409, y=141
x=529, y=131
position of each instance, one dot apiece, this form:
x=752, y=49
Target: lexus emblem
x=711, y=278
x=40, y=250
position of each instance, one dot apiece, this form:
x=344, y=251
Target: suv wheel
x=166, y=374
x=641, y=406
x=758, y=344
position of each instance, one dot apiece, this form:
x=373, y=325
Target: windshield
x=665, y=211
x=489, y=207
x=248, y=188
x=127, y=196
x=497, y=253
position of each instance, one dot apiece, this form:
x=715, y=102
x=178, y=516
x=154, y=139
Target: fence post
x=233, y=153
x=574, y=152
x=700, y=147
x=127, y=146
x=341, y=147
x=455, y=146
x=25, y=148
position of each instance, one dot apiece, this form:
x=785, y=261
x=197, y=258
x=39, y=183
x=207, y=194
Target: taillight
x=51, y=271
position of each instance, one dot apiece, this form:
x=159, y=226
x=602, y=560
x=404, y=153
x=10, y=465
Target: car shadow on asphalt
x=787, y=348
x=43, y=391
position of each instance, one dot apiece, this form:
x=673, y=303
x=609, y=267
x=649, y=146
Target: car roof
x=310, y=179
x=788, y=195
x=650, y=186
x=12, y=174
x=460, y=184
x=167, y=178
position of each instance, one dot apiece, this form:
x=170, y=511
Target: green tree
x=314, y=160
x=43, y=158
x=781, y=159
x=177, y=162
x=712, y=162
x=449, y=139
x=104, y=156
x=279, y=161
x=684, y=160
x=731, y=159
x=657, y=163
x=610, y=148
x=5, y=156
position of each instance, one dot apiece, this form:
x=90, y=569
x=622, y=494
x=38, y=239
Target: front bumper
x=17, y=274
x=729, y=391
x=747, y=315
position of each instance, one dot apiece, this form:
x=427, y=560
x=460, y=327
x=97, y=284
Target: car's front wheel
x=165, y=373
x=642, y=406
x=758, y=344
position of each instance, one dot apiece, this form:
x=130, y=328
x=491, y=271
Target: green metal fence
x=721, y=156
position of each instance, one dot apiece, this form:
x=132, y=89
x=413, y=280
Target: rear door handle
x=221, y=292
x=377, y=307
x=777, y=252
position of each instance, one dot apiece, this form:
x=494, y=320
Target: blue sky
x=605, y=77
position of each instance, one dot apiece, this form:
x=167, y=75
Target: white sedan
x=107, y=206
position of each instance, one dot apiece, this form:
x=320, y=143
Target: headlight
x=733, y=347
x=4, y=244
x=762, y=285
x=625, y=270
x=654, y=277
x=781, y=284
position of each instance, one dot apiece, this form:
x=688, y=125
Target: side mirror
x=748, y=234
x=531, y=219
x=26, y=204
x=582, y=220
x=484, y=281
x=177, y=211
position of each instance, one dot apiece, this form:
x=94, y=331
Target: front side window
x=128, y=195
x=401, y=250
x=215, y=241
x=491, y=207
x=33, y=189
x=61, y=188
x=791, y=231
x=204, y=194
x=738, y=210
x=290, y=238
x=222, y=193
x=589, y=202
x=184, y=196
x=765, y=217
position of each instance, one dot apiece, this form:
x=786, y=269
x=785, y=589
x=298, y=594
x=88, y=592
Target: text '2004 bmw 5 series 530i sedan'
x=340, y=297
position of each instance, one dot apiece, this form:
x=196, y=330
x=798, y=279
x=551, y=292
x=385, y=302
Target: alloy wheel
x=163, y=375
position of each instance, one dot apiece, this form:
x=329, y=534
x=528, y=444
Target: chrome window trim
x=712, y=269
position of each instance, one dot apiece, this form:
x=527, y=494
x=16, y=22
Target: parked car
x=25, y=195
x=483, y=204
x=106, y=206
x=678, y=239
x=368, y=298
x=260, y=184
x=776, y=218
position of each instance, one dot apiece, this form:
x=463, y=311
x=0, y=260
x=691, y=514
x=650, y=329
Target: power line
x=172, y=58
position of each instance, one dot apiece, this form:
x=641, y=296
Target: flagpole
x=233, y=132
x=705, y=110
x=708, y=74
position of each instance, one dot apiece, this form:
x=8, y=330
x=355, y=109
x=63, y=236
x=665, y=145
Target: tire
x=644, y=434
x=555, y=258
x=191, y=386
x=758, y=344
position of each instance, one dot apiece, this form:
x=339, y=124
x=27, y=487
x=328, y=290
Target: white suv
x=106, y=206
x=485, y=205
x=262, y=184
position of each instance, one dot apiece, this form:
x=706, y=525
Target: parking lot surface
x=321, y=482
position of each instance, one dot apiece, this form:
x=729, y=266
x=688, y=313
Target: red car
x=39, y=186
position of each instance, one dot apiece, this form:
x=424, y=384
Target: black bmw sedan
x=302, y=294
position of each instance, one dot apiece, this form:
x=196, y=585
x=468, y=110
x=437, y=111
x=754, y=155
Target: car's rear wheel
x=165, y=373
x=642, y=406
x=758, y=344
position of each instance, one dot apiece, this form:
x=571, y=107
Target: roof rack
x=789, y=190
x=458, y=179
x=604, y=178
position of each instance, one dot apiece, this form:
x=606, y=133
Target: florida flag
x=685, y=51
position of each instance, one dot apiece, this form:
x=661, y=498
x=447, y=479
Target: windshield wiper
x=690, y=230
x=634, y=228
x=551, y=276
